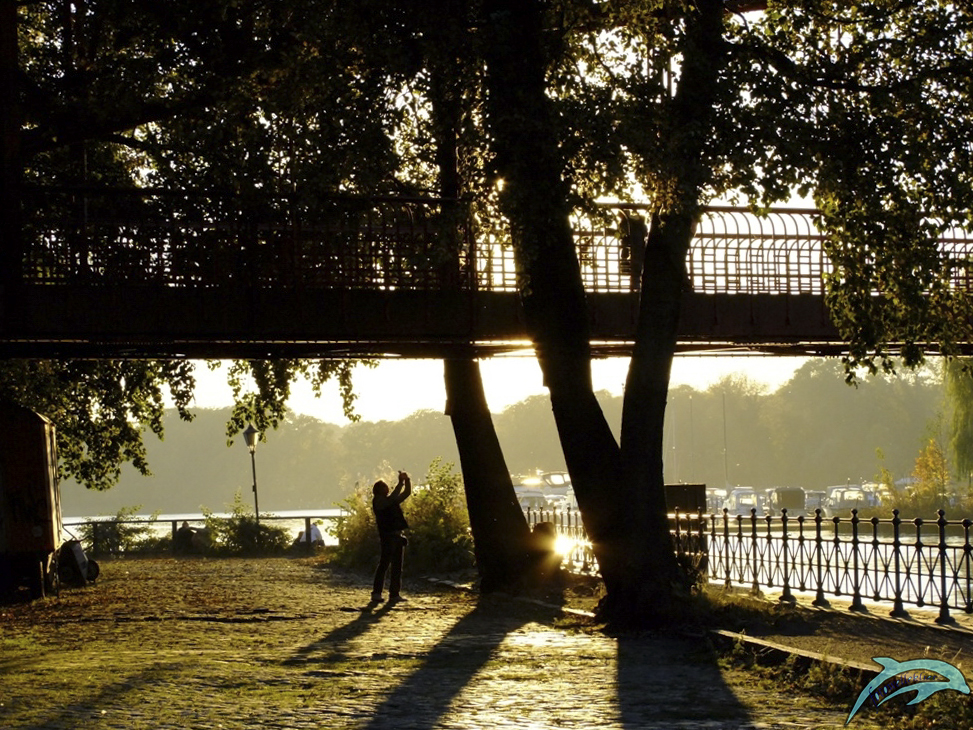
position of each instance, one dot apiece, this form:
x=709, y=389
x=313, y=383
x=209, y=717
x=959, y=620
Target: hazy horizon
x=397, y=388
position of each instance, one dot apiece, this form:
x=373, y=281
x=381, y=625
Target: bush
x=440, y=538
x=152, y=545
x=439, y=535
x=241, y=534
x=123, y=533
x=355, y=530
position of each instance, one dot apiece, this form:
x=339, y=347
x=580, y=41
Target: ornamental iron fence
x=893, y=561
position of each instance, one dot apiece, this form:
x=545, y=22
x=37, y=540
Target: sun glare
x=563, y=545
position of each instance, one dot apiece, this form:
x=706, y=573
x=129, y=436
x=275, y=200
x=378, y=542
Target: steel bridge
x=150, y=273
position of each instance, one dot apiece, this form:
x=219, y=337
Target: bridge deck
x=65, y=321
x=152, y=274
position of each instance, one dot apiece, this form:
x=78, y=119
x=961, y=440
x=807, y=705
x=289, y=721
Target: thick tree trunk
x=656, y=598
x=500, y=531
x=535, y=199
x=654, y=593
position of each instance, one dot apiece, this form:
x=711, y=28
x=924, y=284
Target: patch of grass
x=15, y=645
x=946, y=710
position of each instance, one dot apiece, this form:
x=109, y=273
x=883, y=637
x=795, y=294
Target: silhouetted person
x=391, y=522
x=633, y=232
x=317, y=539
x=183, y=540
x=545, y=561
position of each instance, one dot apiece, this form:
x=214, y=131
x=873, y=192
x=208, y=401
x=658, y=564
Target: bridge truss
x=150, y=273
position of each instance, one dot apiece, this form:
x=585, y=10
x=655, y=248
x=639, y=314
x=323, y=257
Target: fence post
x=876, y=553
x=819, y=600
x=308, y=547
x=802, y=549
x=174, y=524
x=702, y=546
x=968, y=559
x=944, y=617
x=856, y=601
x=898, y=608
x=755, y=588
x=726, y=547
x=676, y=534
x=786, y=596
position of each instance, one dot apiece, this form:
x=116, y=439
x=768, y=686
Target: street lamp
x=250, y=437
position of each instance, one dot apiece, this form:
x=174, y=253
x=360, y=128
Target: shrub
x=439, y=535
x=440, y=538
x=355, y=530
x=242, y=534
x=123, y=533
x=152, y=545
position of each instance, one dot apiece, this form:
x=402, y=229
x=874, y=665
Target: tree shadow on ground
x=79, y=714
x=666, y=681
x=427, y=693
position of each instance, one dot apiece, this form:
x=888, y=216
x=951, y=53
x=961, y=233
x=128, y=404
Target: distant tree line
x=813, y=432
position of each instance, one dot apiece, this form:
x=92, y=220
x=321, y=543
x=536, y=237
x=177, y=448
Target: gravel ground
x=289, y=643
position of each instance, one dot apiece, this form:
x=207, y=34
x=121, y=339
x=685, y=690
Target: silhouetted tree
x=862, y=106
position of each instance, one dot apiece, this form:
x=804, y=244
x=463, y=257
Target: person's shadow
x=660, y=678
x=337, y=640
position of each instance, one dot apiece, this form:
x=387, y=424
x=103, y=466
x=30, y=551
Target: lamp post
x=250, y=437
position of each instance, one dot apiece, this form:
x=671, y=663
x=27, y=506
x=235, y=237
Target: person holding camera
x=391, y=523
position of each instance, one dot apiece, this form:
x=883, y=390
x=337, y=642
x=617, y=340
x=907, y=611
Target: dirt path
x=287, y=643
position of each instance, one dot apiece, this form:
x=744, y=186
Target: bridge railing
x=156, y=237
x=153, y=237
x=734, y=251
x=891, y=561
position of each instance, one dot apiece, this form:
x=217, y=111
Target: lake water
x=291, y=520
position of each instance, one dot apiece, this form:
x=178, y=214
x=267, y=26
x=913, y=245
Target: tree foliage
x=101, y=408
x=959, y=387
x=874, y=100
x=933, y=478
x=237, y=106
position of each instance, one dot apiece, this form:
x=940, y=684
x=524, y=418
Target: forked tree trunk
x=535, y=199
x=499, y=528
x=620, y=490
x=659, y=600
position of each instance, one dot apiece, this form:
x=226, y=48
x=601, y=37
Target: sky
x=398, y=388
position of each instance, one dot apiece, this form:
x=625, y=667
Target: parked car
x=715, y=499
x=531, y=498
x=792, y=499
x=815, y=499
x=743, y=499
x=842, y=500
